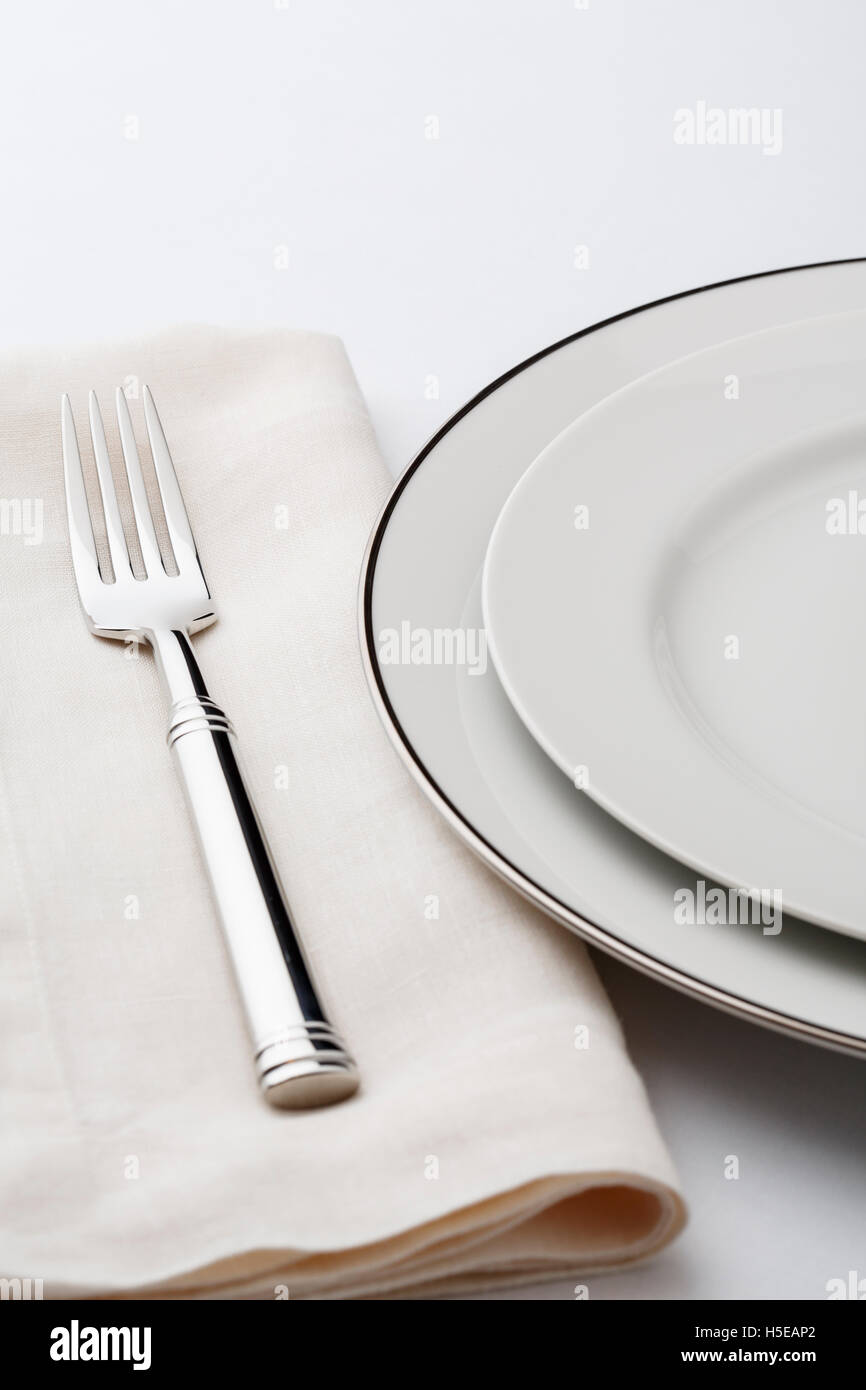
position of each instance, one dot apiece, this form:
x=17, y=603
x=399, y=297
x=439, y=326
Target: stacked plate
x=614, y=619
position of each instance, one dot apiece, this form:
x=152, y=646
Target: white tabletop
x=449, y=187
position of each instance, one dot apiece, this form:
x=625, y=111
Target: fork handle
x=300, y=1058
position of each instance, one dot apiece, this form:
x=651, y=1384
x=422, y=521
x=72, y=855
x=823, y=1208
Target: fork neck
x=177, y=665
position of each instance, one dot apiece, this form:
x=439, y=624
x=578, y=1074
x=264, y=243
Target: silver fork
x=300, y=1059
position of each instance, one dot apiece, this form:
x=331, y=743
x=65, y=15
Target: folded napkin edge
x=408, y=1252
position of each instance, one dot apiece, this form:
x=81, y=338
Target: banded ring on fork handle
x=299, y=1056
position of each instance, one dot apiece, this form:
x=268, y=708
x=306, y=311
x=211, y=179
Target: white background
x=296, y=134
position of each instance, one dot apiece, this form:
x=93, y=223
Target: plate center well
x=761, y=623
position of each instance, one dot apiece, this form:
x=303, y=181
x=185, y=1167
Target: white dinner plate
x=457, y=733
x=675, y=602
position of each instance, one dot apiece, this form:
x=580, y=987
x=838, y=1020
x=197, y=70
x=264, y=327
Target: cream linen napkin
x=136, y=1154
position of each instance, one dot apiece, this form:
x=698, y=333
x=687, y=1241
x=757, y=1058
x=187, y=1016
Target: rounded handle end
x=306, y=1066
x=306, y=1086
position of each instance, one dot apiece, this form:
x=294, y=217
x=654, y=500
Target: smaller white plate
x=675, y=602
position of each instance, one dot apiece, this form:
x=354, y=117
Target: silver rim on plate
x=590, y=931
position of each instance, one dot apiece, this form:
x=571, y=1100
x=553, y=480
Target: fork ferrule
x=194, y=714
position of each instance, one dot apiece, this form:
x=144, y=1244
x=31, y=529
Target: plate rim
x=589, y=931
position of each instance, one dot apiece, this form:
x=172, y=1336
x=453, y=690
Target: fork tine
x=179, y=529
x=140, y=506
x=117, y=547
x=82, y=544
